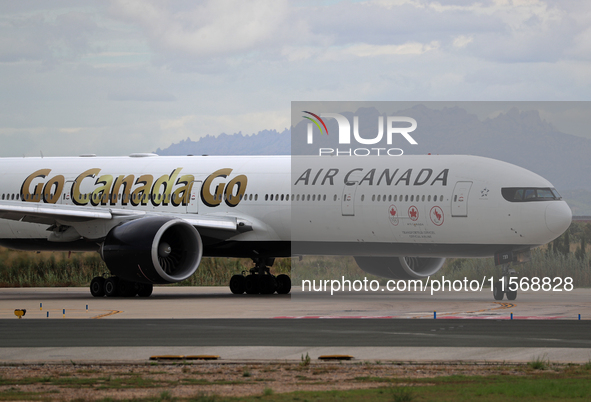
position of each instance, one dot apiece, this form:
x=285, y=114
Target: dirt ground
x=184, y=380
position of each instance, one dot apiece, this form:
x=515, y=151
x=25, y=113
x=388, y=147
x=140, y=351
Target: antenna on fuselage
x=41, y=152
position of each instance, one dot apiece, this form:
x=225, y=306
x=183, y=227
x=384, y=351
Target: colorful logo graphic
x=413, y=213
x=436, y=215
x=393, y=215
x=318, y=119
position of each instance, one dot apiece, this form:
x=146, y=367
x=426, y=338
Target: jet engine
x=153, y=250
x=400, y=267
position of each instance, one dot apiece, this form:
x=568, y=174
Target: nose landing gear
x=501, y=287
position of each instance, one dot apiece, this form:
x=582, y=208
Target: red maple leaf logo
x=437, y=215
x=413, y=213
x=392, y=212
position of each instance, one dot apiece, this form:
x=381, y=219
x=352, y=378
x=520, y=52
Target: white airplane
x=153, y=218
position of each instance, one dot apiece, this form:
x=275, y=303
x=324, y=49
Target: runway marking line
x=112, y=312
x=454, y=315
x=70, y=311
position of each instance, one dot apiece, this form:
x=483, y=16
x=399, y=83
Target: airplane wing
x=51, y=214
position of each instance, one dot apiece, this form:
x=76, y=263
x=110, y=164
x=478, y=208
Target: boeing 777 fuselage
x=153, y=218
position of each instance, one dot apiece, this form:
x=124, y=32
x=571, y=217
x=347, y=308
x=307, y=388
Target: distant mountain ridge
x=266, y=142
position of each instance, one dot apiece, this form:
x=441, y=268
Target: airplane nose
x=558, y=217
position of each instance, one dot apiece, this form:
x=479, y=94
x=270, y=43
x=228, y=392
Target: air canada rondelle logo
x=413, y=213
x=393, y=215
x=437, y=215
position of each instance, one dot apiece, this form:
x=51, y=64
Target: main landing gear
x=114, y=286
x=503, y=283
x=260, y=280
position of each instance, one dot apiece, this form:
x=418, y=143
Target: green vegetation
x=564, y=384
x=305, y=360
x=540, y=363
x=566, y=256
x=494, y=383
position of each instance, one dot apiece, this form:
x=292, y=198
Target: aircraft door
x=193, y=205
x=348, y=199
x=66, y=197
x=459, y=199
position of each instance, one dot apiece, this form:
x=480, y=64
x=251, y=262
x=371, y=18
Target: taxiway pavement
x=180, y=320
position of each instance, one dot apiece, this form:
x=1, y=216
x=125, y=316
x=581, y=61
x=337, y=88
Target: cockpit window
x=516, y=194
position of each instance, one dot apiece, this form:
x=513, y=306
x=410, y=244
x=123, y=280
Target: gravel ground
x=123, y=381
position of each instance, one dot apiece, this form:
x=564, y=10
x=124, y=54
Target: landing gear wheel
x=498, y=290
x=283, y=284
x=511, y=294
x=97, y=286
x=144, y=289
x=251, y=285
x=127, y=288
x=238, y=284
x=112, y=287
x=267, y=284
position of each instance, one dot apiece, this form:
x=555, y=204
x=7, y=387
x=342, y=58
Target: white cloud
x=462, y=41
x=129, y=76
x=366, y=50
x=211, y=28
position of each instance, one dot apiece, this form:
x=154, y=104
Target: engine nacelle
x=400, y=267
x=153, y=250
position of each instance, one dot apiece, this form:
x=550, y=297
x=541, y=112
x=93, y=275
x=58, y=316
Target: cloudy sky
x=121, y=76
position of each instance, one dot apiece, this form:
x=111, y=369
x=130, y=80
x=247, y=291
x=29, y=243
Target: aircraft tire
x=237, y=284
x=111, y=287
x=267, y=284
x=498, y=291
x=283, y=284
x=97, y=286
x=511, y=294
x=127, y=288
x=145, y=290
x=251, y=285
